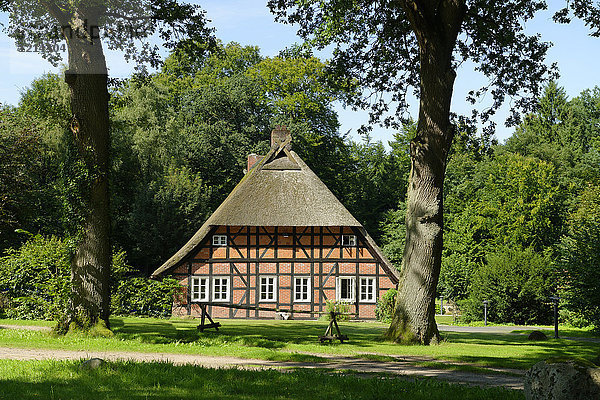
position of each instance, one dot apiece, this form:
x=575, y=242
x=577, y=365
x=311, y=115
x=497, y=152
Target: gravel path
x=403, y=367
x=27, y=327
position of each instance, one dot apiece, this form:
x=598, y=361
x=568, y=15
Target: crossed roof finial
x=281, y=137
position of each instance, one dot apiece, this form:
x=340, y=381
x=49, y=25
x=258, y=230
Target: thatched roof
x=280, y=190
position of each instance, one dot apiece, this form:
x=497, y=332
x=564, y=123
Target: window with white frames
x=220, y=289
x=345, y=288
x=199, y=289
x=348, y=240
x=302, y=289
x=219, y=240
x=268, y=288
x=367, y=289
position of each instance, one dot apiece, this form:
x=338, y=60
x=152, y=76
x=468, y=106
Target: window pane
x=301, y=287
x=221, y=288
x=267, y=288
x=367, y=289
x=346, y=289
x=349, y=240
x=219, y=240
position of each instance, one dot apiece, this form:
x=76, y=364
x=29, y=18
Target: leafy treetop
x=376, y=44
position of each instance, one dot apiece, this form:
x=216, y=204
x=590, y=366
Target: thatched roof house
x=279, y=196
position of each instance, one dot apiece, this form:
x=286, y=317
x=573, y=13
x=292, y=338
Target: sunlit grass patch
x=129, y=380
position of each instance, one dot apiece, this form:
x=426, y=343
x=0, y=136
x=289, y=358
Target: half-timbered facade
x=281, y=241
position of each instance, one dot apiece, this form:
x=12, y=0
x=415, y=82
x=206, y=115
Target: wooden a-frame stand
x=205, y=315
x=329, y=335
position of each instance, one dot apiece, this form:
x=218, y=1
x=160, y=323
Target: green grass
x=565, y=331
x=292, y=340
x=444, y=319
x=162, y=381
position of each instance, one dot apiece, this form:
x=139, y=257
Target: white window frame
x=367, y=296
x=348, y=240
x=305, y=289
x=269, y=297
x=219, y=240
x=195, y=288
x=338, y=287
x=219, y=295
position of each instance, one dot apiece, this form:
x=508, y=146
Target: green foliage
x=35, y=279
x=375, y=183
x=379, y=47
x=580, y=258
x=393, y=227
x=144, y=297
x=506, y=201
x=47, y=101
x=339, y=307
x=139, y=296
x=35, y=284
x=27, y=172
x=517, y=283
x=384, y=310
x=563, y=132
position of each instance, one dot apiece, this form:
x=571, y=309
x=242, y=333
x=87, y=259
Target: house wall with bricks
x=295, y=270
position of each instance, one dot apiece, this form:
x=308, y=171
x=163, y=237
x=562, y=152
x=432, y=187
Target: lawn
x=297, y=340
x=162, y=381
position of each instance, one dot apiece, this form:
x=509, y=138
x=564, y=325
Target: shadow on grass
x=267, y=334
x=483, y=349
x=128, y=380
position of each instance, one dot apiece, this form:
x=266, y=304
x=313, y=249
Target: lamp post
x=555, y=300
x=442, y=305
x=485, y=304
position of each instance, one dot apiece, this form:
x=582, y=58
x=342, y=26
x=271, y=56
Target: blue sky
x=249, y=22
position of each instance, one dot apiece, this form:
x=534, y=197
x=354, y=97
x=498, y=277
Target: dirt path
x=403, y=367
x=27, y=327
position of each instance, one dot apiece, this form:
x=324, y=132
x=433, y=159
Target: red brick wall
x=281, y=252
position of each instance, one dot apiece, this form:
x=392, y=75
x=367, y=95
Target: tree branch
x=125, y=17
x=55, y=11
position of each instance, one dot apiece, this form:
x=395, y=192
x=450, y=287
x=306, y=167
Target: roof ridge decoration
x=277, y=191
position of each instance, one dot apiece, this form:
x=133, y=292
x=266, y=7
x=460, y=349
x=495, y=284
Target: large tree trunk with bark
x=87, y=79
x=436, y=29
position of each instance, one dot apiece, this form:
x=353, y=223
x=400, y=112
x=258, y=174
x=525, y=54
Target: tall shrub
x=580, y=260
x=144, y=297
x=517, y=284
x=35, y=279
x=385, y=306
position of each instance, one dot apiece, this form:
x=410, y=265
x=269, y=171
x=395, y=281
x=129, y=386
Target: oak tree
x=391, y=46
x=82, y=29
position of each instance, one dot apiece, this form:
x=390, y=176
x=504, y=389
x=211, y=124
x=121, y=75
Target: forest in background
x=522, y=219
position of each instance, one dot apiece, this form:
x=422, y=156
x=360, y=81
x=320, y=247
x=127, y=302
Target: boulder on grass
x=537, y=336
x=92, y=363
x=562, y=380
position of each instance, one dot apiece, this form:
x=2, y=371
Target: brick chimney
x=280, y=135
x=253, y=159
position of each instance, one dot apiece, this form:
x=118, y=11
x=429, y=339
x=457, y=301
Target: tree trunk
x=87, y=79
x=414, y=315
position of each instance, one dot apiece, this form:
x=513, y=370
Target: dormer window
x=349, y=240
x=219, y=240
